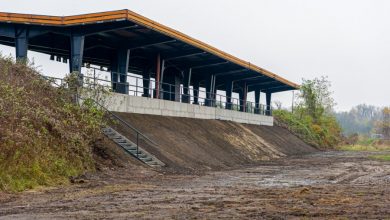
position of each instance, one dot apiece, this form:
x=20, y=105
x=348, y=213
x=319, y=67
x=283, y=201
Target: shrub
x=313, y=120
x=44, y=137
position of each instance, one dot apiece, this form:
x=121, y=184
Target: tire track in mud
x=322, y=185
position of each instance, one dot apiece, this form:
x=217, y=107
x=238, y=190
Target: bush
x=326, y=133
x=312, y=119
x=44, y=137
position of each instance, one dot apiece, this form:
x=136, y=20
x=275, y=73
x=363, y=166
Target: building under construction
x=170, y=65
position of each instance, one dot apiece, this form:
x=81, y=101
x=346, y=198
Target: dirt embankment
x=186, y=144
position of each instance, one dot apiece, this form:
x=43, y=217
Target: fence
x=137, y=86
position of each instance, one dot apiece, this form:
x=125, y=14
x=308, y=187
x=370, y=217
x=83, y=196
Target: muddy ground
x=321, y=185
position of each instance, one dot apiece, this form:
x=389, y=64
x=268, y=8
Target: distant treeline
x=361, y=119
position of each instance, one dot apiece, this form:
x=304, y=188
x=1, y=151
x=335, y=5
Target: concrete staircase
x=131, y=148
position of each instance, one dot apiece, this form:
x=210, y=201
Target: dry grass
x=44, y=136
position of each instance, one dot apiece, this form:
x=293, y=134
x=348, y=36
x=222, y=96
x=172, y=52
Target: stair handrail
x=120, y=119
x=108, y=111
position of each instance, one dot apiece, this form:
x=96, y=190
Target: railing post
x=136, y=86
x=170, y=92
x=137, y=144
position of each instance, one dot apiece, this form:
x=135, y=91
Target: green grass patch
x=363, y=148
x=384, y=157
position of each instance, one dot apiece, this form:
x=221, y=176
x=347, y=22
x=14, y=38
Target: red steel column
x=158, y=72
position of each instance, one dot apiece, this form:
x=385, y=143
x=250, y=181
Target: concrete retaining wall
x=142, y=105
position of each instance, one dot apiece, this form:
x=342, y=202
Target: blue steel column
x=114, y=74
x=123, y=67
x=146, y=82
x=21, y=43
x=167, y=84
x=210, y=84
x=241, y=97
x=176, y=89
x=76, y=55
x=186, y=98
x=257, y=101
x=229, y=94
x=196, y=92
x=268, y=101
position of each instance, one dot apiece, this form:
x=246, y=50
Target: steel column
x=76, y=55
x=162, y=71
x=21, y=43
x=257, y=101
x=158, y=73
x=229, y=94
x=196, y=92
x=209, y=90
x=176, y=89
x=123, y=66
x=146, y=82
x=245, y=96
x=186, y=86
x=268, y=102
x=114, y=74
x=241, y=97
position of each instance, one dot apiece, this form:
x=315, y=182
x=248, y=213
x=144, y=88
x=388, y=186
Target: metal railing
x=139, y=136
x=137, y=86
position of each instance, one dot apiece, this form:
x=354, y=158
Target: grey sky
x=347, y=40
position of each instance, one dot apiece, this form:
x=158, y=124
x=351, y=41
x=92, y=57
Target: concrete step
x=120, y=140
x=131, y=148
x=146, y=159
x=128, y=146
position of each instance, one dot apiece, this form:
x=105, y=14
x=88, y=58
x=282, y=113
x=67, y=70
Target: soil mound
x=186, y=144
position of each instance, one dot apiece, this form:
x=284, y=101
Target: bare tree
x=383, y=126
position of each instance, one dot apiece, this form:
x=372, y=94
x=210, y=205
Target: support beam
x=214, y=89
x=241, y=99
x=146, y=82
x=122, y=61
x=196, y=92
x=158, y=75
x=162, y=71
x=103, y=28
x=184, y=56
x=76, y=55
x=279, y=88
x=21, y=43
x=245, y=97
x=7, y=31
x=114, y=74
x=229, y=94
x=264, y=83
x=268, y=102
x=209, y=65
x=246, y=78
x=257, y=101
x=171, y=86
x=176, y=89
x=209, y=84
x=123, y=64
x=231, y=72
x=150, y=44
x=186, y=97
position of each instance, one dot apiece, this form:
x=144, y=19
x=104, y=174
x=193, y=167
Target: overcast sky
x=346, y=40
